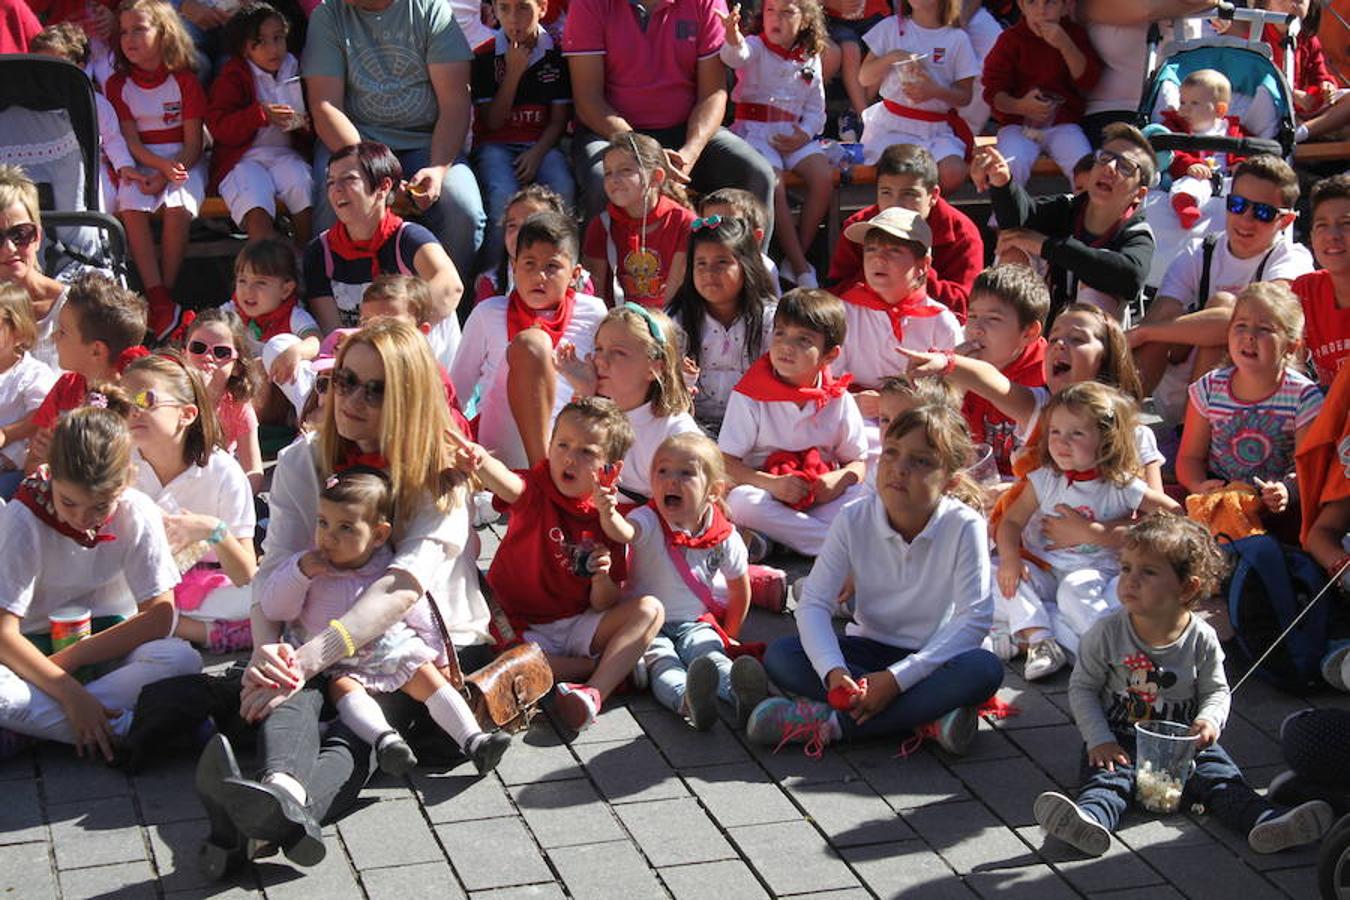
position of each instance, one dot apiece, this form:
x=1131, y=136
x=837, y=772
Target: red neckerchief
x=1029, y=370
x=143, y=79
x=1075, y=475
x=342, y=243
x=129, y=356
x=574, y=507
x=760, y=383
x=796, y=54
x=915, y=304
x=519, y=316
x=718, y=530
x=353, y=457
x=268, y=325
x=808, y=465
x=1080, y=232
x=35, y=492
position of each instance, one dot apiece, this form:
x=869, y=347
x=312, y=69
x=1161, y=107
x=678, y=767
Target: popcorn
x=1157, y=789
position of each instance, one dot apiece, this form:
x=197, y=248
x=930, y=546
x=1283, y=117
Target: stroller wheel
x=1333, y=865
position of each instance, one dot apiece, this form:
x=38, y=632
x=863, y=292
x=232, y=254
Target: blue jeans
x=677, y=645
x=9, y=483
x=456, y=218
x=1216, y=782
x=494, y=164
x=967, y=679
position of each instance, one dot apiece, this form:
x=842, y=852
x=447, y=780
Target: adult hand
x=90, y=720
x=425, y=187
x=274, y=666
x=527, y=163
x=1105, y=756
x=202, y=15
x=681, y=163
x=1024, y=239
x=790, y=143
x=989, y=169
x=882, y=689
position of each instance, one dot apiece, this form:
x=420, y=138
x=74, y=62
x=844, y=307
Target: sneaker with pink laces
x=578, y=705
x=778, y=721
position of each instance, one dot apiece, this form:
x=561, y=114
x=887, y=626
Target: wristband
x=950, y=367
x=346, y=636
x=218, y=534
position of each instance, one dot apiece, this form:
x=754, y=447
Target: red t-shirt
x=1327, y=326
x=642, y=274
x=533, y=575
x=68, y=393
x=987, y=424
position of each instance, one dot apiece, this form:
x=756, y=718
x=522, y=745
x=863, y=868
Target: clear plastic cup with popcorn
x=1164, y=759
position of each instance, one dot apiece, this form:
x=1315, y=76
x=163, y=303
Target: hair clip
x=96, y=400
x=652, y=325
x=129, y=356
x=330, y=483
x=706, y=222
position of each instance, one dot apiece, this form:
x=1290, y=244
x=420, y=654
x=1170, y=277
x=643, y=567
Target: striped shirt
x=1254, y=440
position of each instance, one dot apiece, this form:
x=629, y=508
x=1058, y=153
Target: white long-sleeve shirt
x=795, y=86
x=930, y=595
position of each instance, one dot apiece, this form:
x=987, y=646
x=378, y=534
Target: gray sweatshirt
x=1120, y=680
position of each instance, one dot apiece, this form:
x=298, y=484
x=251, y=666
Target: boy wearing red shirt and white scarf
x=792, y=438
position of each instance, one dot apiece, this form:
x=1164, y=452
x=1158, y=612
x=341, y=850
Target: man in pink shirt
x=652, y=66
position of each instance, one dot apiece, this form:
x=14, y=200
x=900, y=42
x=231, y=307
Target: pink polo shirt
x=651, y=76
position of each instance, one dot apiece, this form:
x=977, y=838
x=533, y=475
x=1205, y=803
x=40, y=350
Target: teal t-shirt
x=382, y=58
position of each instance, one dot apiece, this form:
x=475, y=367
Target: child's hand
x=284, y=366
x=152, y=183
x=1023, y=239
x=606, y=496
x=1205, y=730
x=790, y=143
x=731, y=23
x=1033, y=107
x=920, y=86
x=1054, y=34
x=1274, y=495
x=1011, y=572
x=183, y=529
x=1105, y=756
x=789, y=489
x=923, y=363
x=89, y=719
x=989, y=169
x=689, y=371
x=313, y=564
x=598, y=563
x=579, y=371
x=881, y=690
x=841, y=686
x=869, y=403
x=1201, y=171
x=527, y=163
x=517, y=57
x=279, y=114
x=468, y=457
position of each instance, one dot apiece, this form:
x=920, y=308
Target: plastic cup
x=908, y=70
x=1164, y=754
x=984, y=470
x=69, y=625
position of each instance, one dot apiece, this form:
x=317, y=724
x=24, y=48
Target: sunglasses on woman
x=20, y=235
x=346, y=382
x=1262, y=212
x=218, y=352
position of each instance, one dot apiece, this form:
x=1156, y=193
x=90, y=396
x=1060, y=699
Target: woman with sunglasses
x=20, y=239
x=384, y=410
x=203, y=494
x=217, y=346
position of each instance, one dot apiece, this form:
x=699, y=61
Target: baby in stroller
x=1206, y=95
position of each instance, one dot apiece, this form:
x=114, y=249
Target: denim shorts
x=850, y=31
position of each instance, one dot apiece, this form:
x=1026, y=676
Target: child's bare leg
x=851, y=65
x=192, y=630
x=141, y=243
x=258, y=224
x=531, y=385
x=173, y=242
x=819, y=177
x=787, y=235
x=952, y=171
x=621, y=638
x=831, y=58
x=571, y=668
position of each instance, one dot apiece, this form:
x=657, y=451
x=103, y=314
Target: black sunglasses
x=20, y=235
x=345, y=383
x=321, y=383
x=1262, y=212
x=1124, y=165
x=221, y=352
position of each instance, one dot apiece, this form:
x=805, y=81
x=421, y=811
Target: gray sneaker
x=1044, y=658
x=749, y=687
x=955, y=731
x=700, y=693
x=1303, y=824
x=1064, y=819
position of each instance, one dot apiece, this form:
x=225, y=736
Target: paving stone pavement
x=642, y=806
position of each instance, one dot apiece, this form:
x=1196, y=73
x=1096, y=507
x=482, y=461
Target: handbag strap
x=500, y=624
x=692, y=581
x=456, y=674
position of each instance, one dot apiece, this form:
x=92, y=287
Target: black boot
x=489, y=751
x=224, y=847
x=267, y=813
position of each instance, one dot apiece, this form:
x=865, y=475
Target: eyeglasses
x=1262, y=212
x=1124, y=165
x=345, y=383
x=149, y=399
x=20, y=235
x=219, y=352
x=321, y=383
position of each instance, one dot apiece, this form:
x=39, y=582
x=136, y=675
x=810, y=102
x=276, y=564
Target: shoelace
x=802, y=722
x=910, y=745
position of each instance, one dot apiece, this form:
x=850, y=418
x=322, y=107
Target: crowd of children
x=962, y=448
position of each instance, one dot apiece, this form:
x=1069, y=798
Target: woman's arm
x=433, y=266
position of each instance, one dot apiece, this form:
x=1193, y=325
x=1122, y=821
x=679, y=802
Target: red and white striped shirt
x=158, y=102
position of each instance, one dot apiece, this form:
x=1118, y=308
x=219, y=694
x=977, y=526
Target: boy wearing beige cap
x=891, y=308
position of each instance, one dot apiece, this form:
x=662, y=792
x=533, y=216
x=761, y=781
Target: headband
x=653, y=326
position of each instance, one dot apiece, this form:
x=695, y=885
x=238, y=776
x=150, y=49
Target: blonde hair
x=949, y=11
x=1187, y=546
x=17, y=189
x=702, y=448
x=64, y=39
x=1212, y=80
x=650, y=156
x=1114, y=416
x=91, y=446
x=16, y=314
x=1284, y=307
x=413, y=422
x=667, y=393
x=406, y=288
x=175, y=46
x=947, y=433
x=184, y=382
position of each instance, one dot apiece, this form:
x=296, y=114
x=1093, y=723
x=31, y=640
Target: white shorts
x=263, y=175
x=187, y=195
x=757, y=135
x=567, y=637
x=882, y=128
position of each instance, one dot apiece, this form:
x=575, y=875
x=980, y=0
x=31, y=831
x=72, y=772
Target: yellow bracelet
x=345, y=635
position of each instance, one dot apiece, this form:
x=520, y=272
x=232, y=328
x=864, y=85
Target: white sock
x=449, y=710
x=359, y=712
x=289, y=785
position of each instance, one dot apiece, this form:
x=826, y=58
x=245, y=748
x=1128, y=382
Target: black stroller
x=49, y=128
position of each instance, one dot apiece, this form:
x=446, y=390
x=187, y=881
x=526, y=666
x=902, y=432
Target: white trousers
x=804, y=532
x=263, y=175
x=1065, y=144
x=1063, y=603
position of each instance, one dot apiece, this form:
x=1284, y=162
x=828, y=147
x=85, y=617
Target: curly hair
x=1187, y=546
x=1114, y=416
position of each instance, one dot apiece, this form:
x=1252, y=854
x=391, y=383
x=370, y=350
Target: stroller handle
x=1232, y=13
x=1240, y=146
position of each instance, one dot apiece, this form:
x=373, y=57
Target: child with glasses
x=218, y=347
x=1184, y=332
x=1096, y=245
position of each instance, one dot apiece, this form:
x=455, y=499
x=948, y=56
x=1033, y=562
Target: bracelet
x=218, y=534
x=1339, y=565
x=950, y=367
x=345, y=635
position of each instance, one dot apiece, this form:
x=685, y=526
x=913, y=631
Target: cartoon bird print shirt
x=1120, y=680
x=642, y=266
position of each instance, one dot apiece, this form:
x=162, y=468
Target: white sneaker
x=1044, y=658
x=1303, y=824
x=1001, y=643
x=1064, y=819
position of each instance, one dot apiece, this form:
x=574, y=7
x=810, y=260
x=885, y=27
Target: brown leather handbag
x=505, y=693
